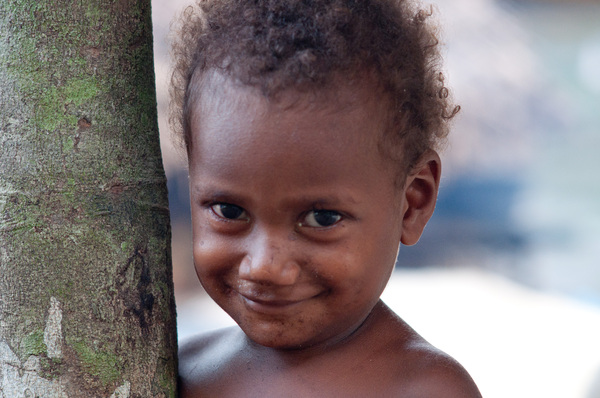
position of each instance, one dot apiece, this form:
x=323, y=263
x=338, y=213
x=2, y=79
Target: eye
x=229, y=211
x=321, y=218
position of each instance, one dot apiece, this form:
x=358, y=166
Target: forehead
x=215, y=97
x=299, y=136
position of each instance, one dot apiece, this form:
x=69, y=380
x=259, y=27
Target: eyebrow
x=208, y=191
x=325, y=200
x=337, y=199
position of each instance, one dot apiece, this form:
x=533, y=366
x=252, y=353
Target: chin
x=278, y=345
x=280, y=338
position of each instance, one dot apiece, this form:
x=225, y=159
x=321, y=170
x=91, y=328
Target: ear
x=420, y=194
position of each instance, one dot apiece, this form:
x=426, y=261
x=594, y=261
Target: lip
x=270, y=306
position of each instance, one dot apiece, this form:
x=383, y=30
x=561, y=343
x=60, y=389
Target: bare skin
x=297, y=219
x=383, y=358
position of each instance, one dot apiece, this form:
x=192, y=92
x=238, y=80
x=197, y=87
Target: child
x=310, y=128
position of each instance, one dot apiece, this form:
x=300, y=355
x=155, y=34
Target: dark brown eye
x=321, y=218
x=229, y=211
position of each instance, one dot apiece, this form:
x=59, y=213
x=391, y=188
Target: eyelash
x=214, y=207
x=314, y=212
x=311, y=215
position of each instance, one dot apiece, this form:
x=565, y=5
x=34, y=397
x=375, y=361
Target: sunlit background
x=507, y=275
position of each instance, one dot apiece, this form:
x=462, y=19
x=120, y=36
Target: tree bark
x=86, y=295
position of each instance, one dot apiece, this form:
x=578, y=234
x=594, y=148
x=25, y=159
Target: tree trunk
x=86, y=296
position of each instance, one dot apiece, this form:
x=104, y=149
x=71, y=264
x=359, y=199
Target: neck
x=296, y=356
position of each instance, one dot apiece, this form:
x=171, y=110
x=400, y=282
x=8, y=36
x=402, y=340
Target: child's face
x=296, y=217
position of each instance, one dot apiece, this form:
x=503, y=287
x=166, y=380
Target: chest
x=333, y=380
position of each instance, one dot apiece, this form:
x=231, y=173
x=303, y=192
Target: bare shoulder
x=203, y=360
x=417, y=368
x=437, y=374
x=200, y=343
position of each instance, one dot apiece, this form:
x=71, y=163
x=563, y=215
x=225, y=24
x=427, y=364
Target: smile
x=270, y=306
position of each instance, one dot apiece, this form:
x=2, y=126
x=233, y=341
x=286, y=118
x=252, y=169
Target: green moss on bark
x=33, y=344
x=103, y=364
x=83, y=194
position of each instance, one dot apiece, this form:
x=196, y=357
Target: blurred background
x=506, y=277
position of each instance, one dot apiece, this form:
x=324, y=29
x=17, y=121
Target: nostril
x=289, y=273
x=245, y=269
x=269, y=269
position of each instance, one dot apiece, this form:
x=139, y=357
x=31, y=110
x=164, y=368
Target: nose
x=269, y=259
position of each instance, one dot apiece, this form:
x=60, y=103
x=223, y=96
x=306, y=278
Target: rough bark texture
x=86, y=297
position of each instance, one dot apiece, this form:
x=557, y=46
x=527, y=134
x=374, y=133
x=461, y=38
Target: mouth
x=271, y=305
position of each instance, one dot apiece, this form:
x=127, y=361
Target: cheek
x=366, y=267
x=213, y=254
x=345, y=269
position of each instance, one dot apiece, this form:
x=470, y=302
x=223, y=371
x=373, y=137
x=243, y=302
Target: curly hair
x=277, y=45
